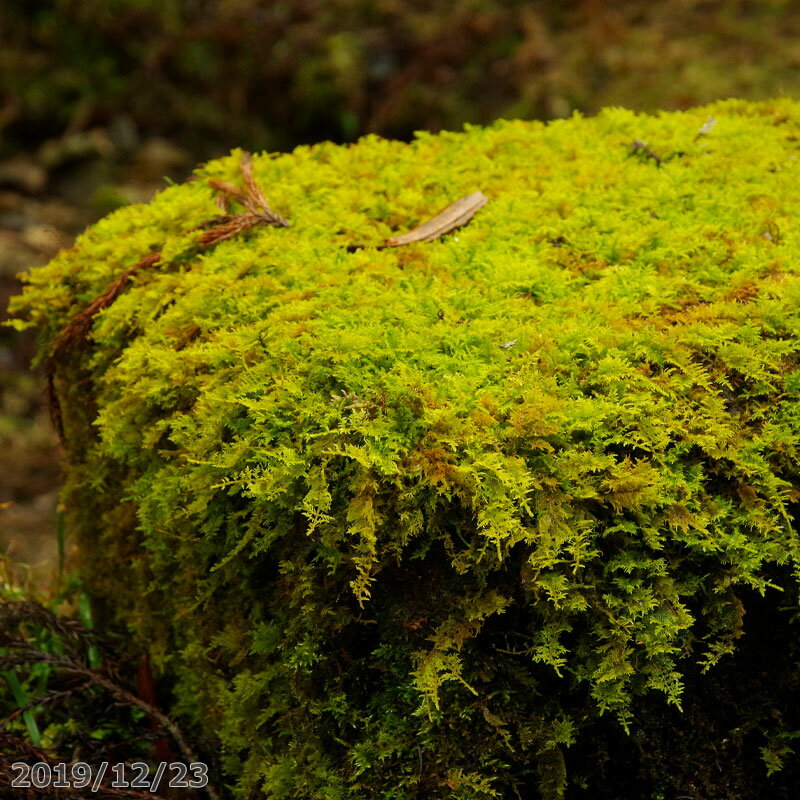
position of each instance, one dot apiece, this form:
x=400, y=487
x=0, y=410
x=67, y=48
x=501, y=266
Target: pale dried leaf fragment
x=454, y=216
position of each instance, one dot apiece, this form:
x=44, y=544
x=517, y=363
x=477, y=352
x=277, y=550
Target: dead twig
x=37, y=702
x=639, y=145
x=77, y=328
x=216, y=230
x=81, y=323
x=228, y=226
x=252, y=198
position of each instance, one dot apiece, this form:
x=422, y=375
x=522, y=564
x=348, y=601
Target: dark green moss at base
x=409, y=521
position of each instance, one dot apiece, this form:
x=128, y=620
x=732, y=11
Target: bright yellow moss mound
x=402, y=522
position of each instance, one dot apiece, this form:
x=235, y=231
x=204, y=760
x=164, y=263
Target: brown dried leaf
x=454, y=216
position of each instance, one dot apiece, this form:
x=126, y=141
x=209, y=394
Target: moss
x=402, y=522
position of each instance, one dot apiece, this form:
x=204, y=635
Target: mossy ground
x=407, y=522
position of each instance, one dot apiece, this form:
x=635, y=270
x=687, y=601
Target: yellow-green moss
x=400, y=521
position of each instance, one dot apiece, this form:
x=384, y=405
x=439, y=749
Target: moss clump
x=403, y=522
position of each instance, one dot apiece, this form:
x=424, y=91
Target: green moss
x=401, y=522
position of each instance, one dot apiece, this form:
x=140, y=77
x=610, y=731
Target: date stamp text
x=120, y=775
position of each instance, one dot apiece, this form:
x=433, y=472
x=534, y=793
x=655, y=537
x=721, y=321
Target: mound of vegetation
x=428, y=515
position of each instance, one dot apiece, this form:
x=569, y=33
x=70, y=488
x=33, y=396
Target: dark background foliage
x=212, y=74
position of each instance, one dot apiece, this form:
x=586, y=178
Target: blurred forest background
x=101, y=101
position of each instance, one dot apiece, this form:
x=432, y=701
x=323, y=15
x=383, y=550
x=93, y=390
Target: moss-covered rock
x=404, y=522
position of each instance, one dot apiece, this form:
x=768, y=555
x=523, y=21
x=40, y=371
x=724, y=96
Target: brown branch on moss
x=76, y=329
x=80, y=324
x=252, y=198
x=226, y=192
x=225, y=227
x=216, y=230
